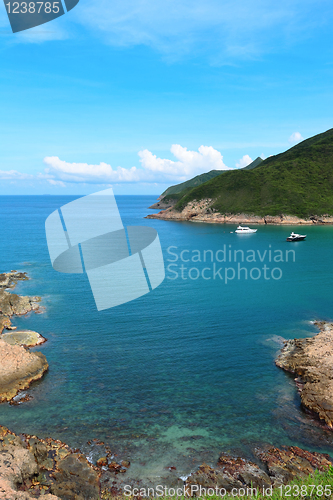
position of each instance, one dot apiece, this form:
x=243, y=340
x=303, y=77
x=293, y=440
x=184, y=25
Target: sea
x=187, y=371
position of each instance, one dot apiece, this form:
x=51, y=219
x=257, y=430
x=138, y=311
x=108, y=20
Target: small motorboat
x=296, y=237
x=245, y=230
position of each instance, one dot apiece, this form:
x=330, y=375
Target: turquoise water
x=185, y=372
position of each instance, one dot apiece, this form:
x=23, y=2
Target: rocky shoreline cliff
x=202, y=212
x=311, y=360
x=32, y=468
x=18, y=367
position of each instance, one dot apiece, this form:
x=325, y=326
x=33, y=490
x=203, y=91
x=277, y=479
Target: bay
x=186, y=371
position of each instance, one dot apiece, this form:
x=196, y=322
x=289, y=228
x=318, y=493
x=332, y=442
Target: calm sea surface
x=187, y=371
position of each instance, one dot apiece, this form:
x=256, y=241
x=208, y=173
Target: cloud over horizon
x=295, y=138
x=187, y=164
x=14, y=175
x=244, y=161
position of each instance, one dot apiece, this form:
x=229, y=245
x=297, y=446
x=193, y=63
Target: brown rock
x=292, y=462
x=202, y=211
x=311, y=360
x=10, y=303
x=114, y=467
x=18, y=368
x=243, y=470
x=17, y=465
x=8, y=493
x=28, y=338
x=207, y=477
x=102, y=462
x=5, y=323
x=76, y=480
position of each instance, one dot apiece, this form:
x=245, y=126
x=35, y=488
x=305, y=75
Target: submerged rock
x=27, y=338
x=311, y=360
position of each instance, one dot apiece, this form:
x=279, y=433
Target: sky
x=140, y=95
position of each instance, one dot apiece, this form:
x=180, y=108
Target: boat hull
x=246, y=232
x=299, y=238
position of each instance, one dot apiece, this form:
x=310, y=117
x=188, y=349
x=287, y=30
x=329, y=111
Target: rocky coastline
x=31, y=467
x=276, y=467
x=44, y=468
x=311, y=360
x=18, y=367
x=202, y=212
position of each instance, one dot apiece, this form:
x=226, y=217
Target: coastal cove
x=182, y=374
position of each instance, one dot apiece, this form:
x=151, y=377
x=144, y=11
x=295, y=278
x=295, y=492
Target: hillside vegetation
x=297, y=182
x=196, y=181
x=254, y=164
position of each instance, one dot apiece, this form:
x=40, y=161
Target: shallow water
x=185, y=372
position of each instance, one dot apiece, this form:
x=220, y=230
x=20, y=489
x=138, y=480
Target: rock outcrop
x=292, y=462
x=244, y=471
x=202, y=211
x=32, y=468
x=278, y=466
x=311, y=360
x=18, y=366
x=27, y=338
x=163, y=205
x=12, y=304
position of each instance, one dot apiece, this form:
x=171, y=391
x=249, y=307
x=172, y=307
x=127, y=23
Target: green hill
x=196, y=181
x=254, y=164
x=297, y=182
x=200, y=179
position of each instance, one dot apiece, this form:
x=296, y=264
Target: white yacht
x=296, y=237
x=245, y=230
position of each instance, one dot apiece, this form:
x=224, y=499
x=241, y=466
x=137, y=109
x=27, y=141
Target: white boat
x=245, y=230
x=296, y=237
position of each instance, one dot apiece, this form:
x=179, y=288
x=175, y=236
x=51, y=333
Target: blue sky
x=139, y=95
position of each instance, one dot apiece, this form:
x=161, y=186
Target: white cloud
x=224, y=29
x=244, y=162
x=295, y=138
x=56, y=183
x=14, y=175
x=232, y=28
x=186, y=165
x=83, y=172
